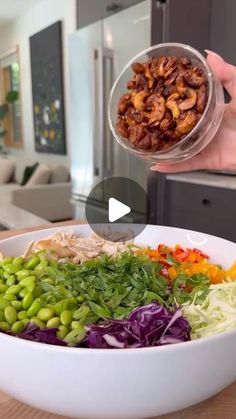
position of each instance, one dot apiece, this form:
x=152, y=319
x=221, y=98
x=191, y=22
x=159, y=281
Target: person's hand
x=220, y=154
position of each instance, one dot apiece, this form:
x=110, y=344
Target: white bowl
x=129, y=383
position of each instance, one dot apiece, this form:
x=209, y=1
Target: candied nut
x=170, y=66
x=172, y=105
x=180, y=85
x=149, y=76
x=160, y=69
x=138, y=100
x=185, y=62
x=187, y=124
x=194, y=77
x=133, y=116
x=124, y=103
x=156, y=104
x=171, y=78
x=146, y=142
x=201, y=98
x=168, y=91
x=136, y=133
x=121, y=128
x=138, y=68
x=167, y=122
x=191, y=100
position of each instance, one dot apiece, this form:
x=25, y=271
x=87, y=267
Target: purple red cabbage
x=33, y=333
x=150, y=325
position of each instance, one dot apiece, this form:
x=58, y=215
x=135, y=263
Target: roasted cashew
x=138, y=100
x=121, y=128
x=133, y=117
x=170, y=66
x=149, y=77
x=124, y=103
x=194, y=78
x=145, y=143
x=171, y=78
x=180, y=85
x=167, y=122
x=201, y=98
x=172, y=105
x=185, y=62
x=191, y=100
x=136, y=133
x=186, y=125
x=138, y=68
x=156, y=104
x=160, y=70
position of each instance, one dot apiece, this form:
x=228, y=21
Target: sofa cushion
x=28, y=172
x=59, y=174
x=41, y=175
x=7, y=168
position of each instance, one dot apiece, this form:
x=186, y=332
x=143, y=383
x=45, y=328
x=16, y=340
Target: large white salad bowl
x=116, y=383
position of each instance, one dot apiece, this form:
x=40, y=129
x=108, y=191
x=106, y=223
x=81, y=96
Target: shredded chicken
x=77, y=249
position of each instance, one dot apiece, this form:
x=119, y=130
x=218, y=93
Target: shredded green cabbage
x=216, y=314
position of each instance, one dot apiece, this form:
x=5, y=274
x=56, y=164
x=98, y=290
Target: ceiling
x=12, y=9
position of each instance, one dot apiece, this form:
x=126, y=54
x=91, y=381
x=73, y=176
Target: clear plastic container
x=207, y=126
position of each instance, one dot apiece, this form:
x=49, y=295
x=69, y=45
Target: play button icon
x=117, y=210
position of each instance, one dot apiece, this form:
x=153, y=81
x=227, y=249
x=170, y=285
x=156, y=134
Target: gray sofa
x=49, y=200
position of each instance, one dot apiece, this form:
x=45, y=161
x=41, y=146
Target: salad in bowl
x=140, y=327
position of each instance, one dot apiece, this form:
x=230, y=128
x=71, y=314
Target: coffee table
x=13, y=217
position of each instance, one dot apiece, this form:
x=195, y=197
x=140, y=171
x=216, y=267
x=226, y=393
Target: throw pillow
x=59, y=174
x=28, y=172
x=7, y=168
x=41, y=175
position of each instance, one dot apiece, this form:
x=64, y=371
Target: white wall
x=40, y=16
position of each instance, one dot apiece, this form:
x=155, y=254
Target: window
x=10, y=100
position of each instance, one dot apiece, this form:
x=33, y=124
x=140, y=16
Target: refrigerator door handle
x=106, y=59
x=96, y=106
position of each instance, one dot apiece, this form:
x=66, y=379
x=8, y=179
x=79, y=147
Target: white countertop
x=13, y=217
x=204, y=178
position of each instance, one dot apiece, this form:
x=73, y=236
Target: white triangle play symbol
x=116, y=210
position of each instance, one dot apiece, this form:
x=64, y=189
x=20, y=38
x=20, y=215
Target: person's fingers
x=196, y=163
x=225, y=72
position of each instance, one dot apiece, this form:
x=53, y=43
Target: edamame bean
x=81, y=312
x=37, y=291
x=23, y=273
x=17, y=327
x=7, y=259
x=4, y=303
x=45, y=314
x=23, y=292
x=2, y=316
x=66, y=317
x=53, y=322
x=22, y=315
x=10, y=268
x=38, y=322
x=62, y=331
x=18, y=260
x=3, y=288
x=75, y=324
x=10, y=314
x=17, y=304
x=9, y=297
x=49, y=280
x=32, y=263
x=11, y=280
x=4, y=326
x=41, y=266
x=25, y=322
x=27, y=281
x=14, y=289
x=27, y=300
x=34, y=308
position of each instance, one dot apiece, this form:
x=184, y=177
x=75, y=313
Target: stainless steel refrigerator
x=98, y=53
